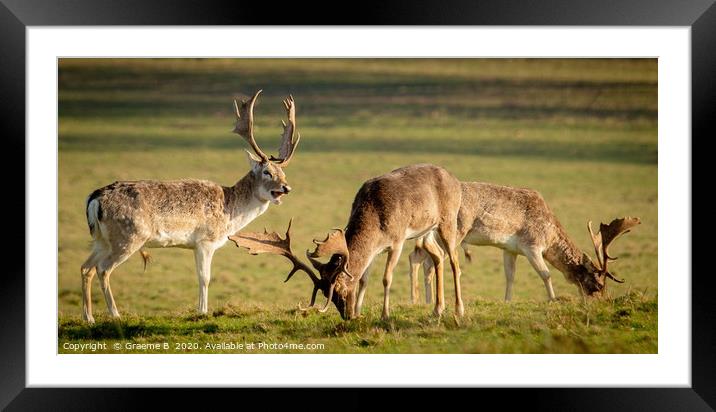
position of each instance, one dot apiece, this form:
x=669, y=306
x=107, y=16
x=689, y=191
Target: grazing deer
x=410, y=202
x=520, y=222
x=126, y=216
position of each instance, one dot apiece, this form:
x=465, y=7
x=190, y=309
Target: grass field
x=582, y=132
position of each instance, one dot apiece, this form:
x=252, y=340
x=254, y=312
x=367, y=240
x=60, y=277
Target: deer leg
x=393, y=256
x=416, y=258
x=87, y=276
x=362, y=286
x=447, y=235
x=456, y=273
x=202, y=257
x=105, y=269
x=436, y=254
x=428, y=276
x=116, y=256
x=88, y=270
x=509, y=259
x=537, y=262
x=107, y=291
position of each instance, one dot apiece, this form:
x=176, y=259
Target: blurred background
x=583, y=132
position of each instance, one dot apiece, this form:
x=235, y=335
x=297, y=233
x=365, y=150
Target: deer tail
x=94, y=213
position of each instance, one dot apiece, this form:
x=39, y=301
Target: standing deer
x=520, y=222
x=410, y=202
x=124, y=217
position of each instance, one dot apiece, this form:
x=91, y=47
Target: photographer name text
x=202, y=347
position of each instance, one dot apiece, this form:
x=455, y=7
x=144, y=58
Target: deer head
x=268, y=171
x=594, y=280
x=273, y=243
x=334, y=273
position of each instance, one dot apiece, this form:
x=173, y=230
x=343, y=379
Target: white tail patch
x=93, y=219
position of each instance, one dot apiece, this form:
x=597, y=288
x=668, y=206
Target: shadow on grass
x=110, y=92
x=403, y=319
x=300, y=82
x=129, y=329
x=623, y=152
x=354, y=100
x=420, y=106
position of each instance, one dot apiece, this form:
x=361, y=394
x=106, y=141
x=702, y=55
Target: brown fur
x=388, y=209
x=139, y=209
x=519, y=221
x=493, y=210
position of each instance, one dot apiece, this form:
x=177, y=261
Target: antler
x=615, y=229
x=272, y=243
x=606, y=235
x=335, y=243
x=597, y=242
x=245, y=123
x=245, y=128
x=313, y=300
x=288, y=144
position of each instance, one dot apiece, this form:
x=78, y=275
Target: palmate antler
x=333, y=244
x=606, y=235
x=289, y=138
x=257, y=243
x=272, y=243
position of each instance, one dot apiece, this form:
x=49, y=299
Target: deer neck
x=360, y=259
x=242, y=202
x=361, y=251
x=564, y=255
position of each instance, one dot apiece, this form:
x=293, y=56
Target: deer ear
x=254, y=161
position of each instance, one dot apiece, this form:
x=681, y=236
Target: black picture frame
x=16, y=15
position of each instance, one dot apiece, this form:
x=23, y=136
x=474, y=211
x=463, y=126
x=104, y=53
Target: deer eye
x=267, y=173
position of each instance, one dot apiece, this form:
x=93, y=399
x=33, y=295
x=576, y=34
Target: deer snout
x=286, y=189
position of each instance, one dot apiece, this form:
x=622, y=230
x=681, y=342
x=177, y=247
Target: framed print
x=508, y=129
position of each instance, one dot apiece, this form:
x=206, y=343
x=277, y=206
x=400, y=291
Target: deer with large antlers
x=127, y=216
x=410, y=202
x=520, y=222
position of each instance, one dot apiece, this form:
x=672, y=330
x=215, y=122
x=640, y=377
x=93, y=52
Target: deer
x=127, y=216
x=519, y=221
x=414, y=201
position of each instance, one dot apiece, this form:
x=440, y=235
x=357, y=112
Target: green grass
x=616, y=325
x=582, y=132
